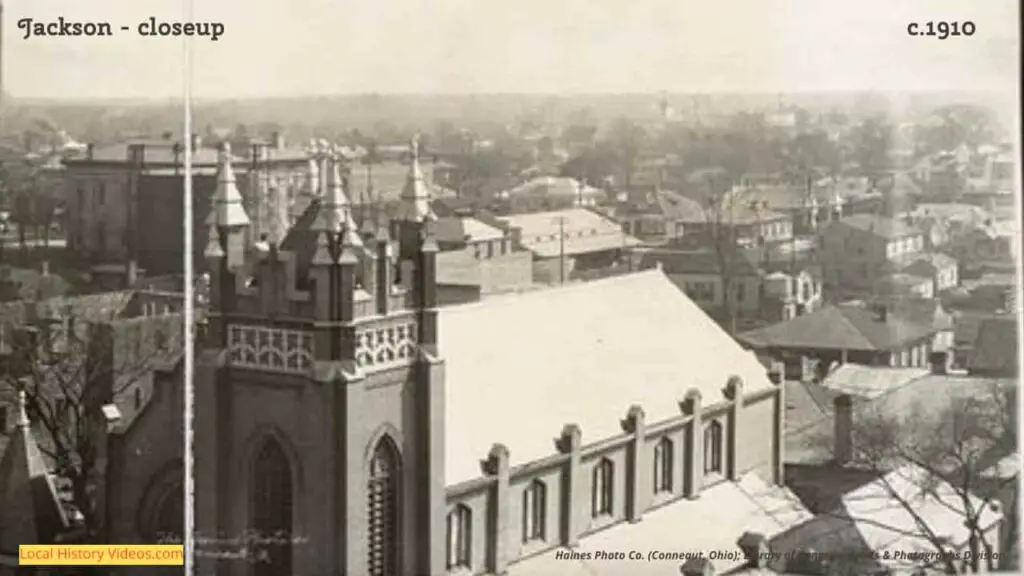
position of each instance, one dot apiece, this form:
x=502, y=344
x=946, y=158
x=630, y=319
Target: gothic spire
x=213, y=247
x=228, y=211
x=415, y=200
x=322, y=256
x=335, y=213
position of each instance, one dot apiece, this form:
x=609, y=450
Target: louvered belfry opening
x=383, y=490
x=272, y=512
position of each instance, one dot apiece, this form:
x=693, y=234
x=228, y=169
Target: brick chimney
x=131, y=273
x=755, y=549
x=881, y=312
x=843, y=422
x=939, y=362
x=777, y=371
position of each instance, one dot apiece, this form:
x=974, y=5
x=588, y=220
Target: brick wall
x=750, y=443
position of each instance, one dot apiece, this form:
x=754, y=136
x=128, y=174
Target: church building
x=348, y=425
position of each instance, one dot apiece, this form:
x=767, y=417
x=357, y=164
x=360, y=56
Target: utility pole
x=561, y=248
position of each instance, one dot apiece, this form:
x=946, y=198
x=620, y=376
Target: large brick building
x=339, y=406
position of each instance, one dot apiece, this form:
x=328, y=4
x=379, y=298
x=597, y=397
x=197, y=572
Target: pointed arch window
x=383, y=490
x=534, y=511
x=460, y=534
x=271, y=506
x=602, y=485
x=162, y=508
x=663, y=466
x=713, y=448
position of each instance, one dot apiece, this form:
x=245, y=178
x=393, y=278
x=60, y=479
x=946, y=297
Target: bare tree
x=922, y=458
x=69, y=369
x=719, y=204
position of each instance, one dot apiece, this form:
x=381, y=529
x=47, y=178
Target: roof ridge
x=842, y=313
x=564, y=288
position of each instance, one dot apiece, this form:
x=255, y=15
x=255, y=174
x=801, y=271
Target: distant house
x=940, y=270
x=925, y=312
x=898, y=285
x=547, y=193
x=966, y=327
x=993, y=246
x=654, y=216
x=748, y=220
x=811, y=208
x=478, y=257
x=859, y=249
x=857, y=333
x=465, y=233
x=995, y=351
x=756, y=293
x=566, y=241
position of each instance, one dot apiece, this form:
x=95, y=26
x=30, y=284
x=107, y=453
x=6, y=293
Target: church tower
x=320, y=389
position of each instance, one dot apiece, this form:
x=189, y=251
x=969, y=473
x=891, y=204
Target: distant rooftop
x=572, y=232
x=880, y=225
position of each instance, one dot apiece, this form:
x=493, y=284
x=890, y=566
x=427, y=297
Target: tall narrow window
x=383, y=490
x=460, y=530
x=663, y=466
x=603, y=484
x=534, y=508
x=713, y=448
x=271, y=508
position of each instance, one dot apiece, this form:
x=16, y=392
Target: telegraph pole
x=561, y=248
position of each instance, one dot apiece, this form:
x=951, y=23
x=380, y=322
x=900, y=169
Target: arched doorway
x=162, y=510
x=161, y=517
x=384, y=488
x=271, y=511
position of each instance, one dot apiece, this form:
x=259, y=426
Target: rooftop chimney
x=131, y=273
x=881, y=312
x=843, y=431
x=277, y=141
x=940, y=362
x=755, y=549
x=45, y=268
x=196, y=142
x=89, y=149
x=176, y=150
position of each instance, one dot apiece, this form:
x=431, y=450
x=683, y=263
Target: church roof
x=582, y=354
x=30, y=508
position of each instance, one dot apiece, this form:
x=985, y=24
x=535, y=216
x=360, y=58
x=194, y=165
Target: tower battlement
x=325, y=294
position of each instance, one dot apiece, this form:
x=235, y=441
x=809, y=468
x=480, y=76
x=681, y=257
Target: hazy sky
x=297, y=47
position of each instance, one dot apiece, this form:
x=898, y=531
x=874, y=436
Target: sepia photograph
x=571, y=288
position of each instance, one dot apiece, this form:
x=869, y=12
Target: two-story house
x=750, y=222
x=653, y=215
x=858, y=250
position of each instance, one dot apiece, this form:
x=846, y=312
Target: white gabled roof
x=521, y=367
